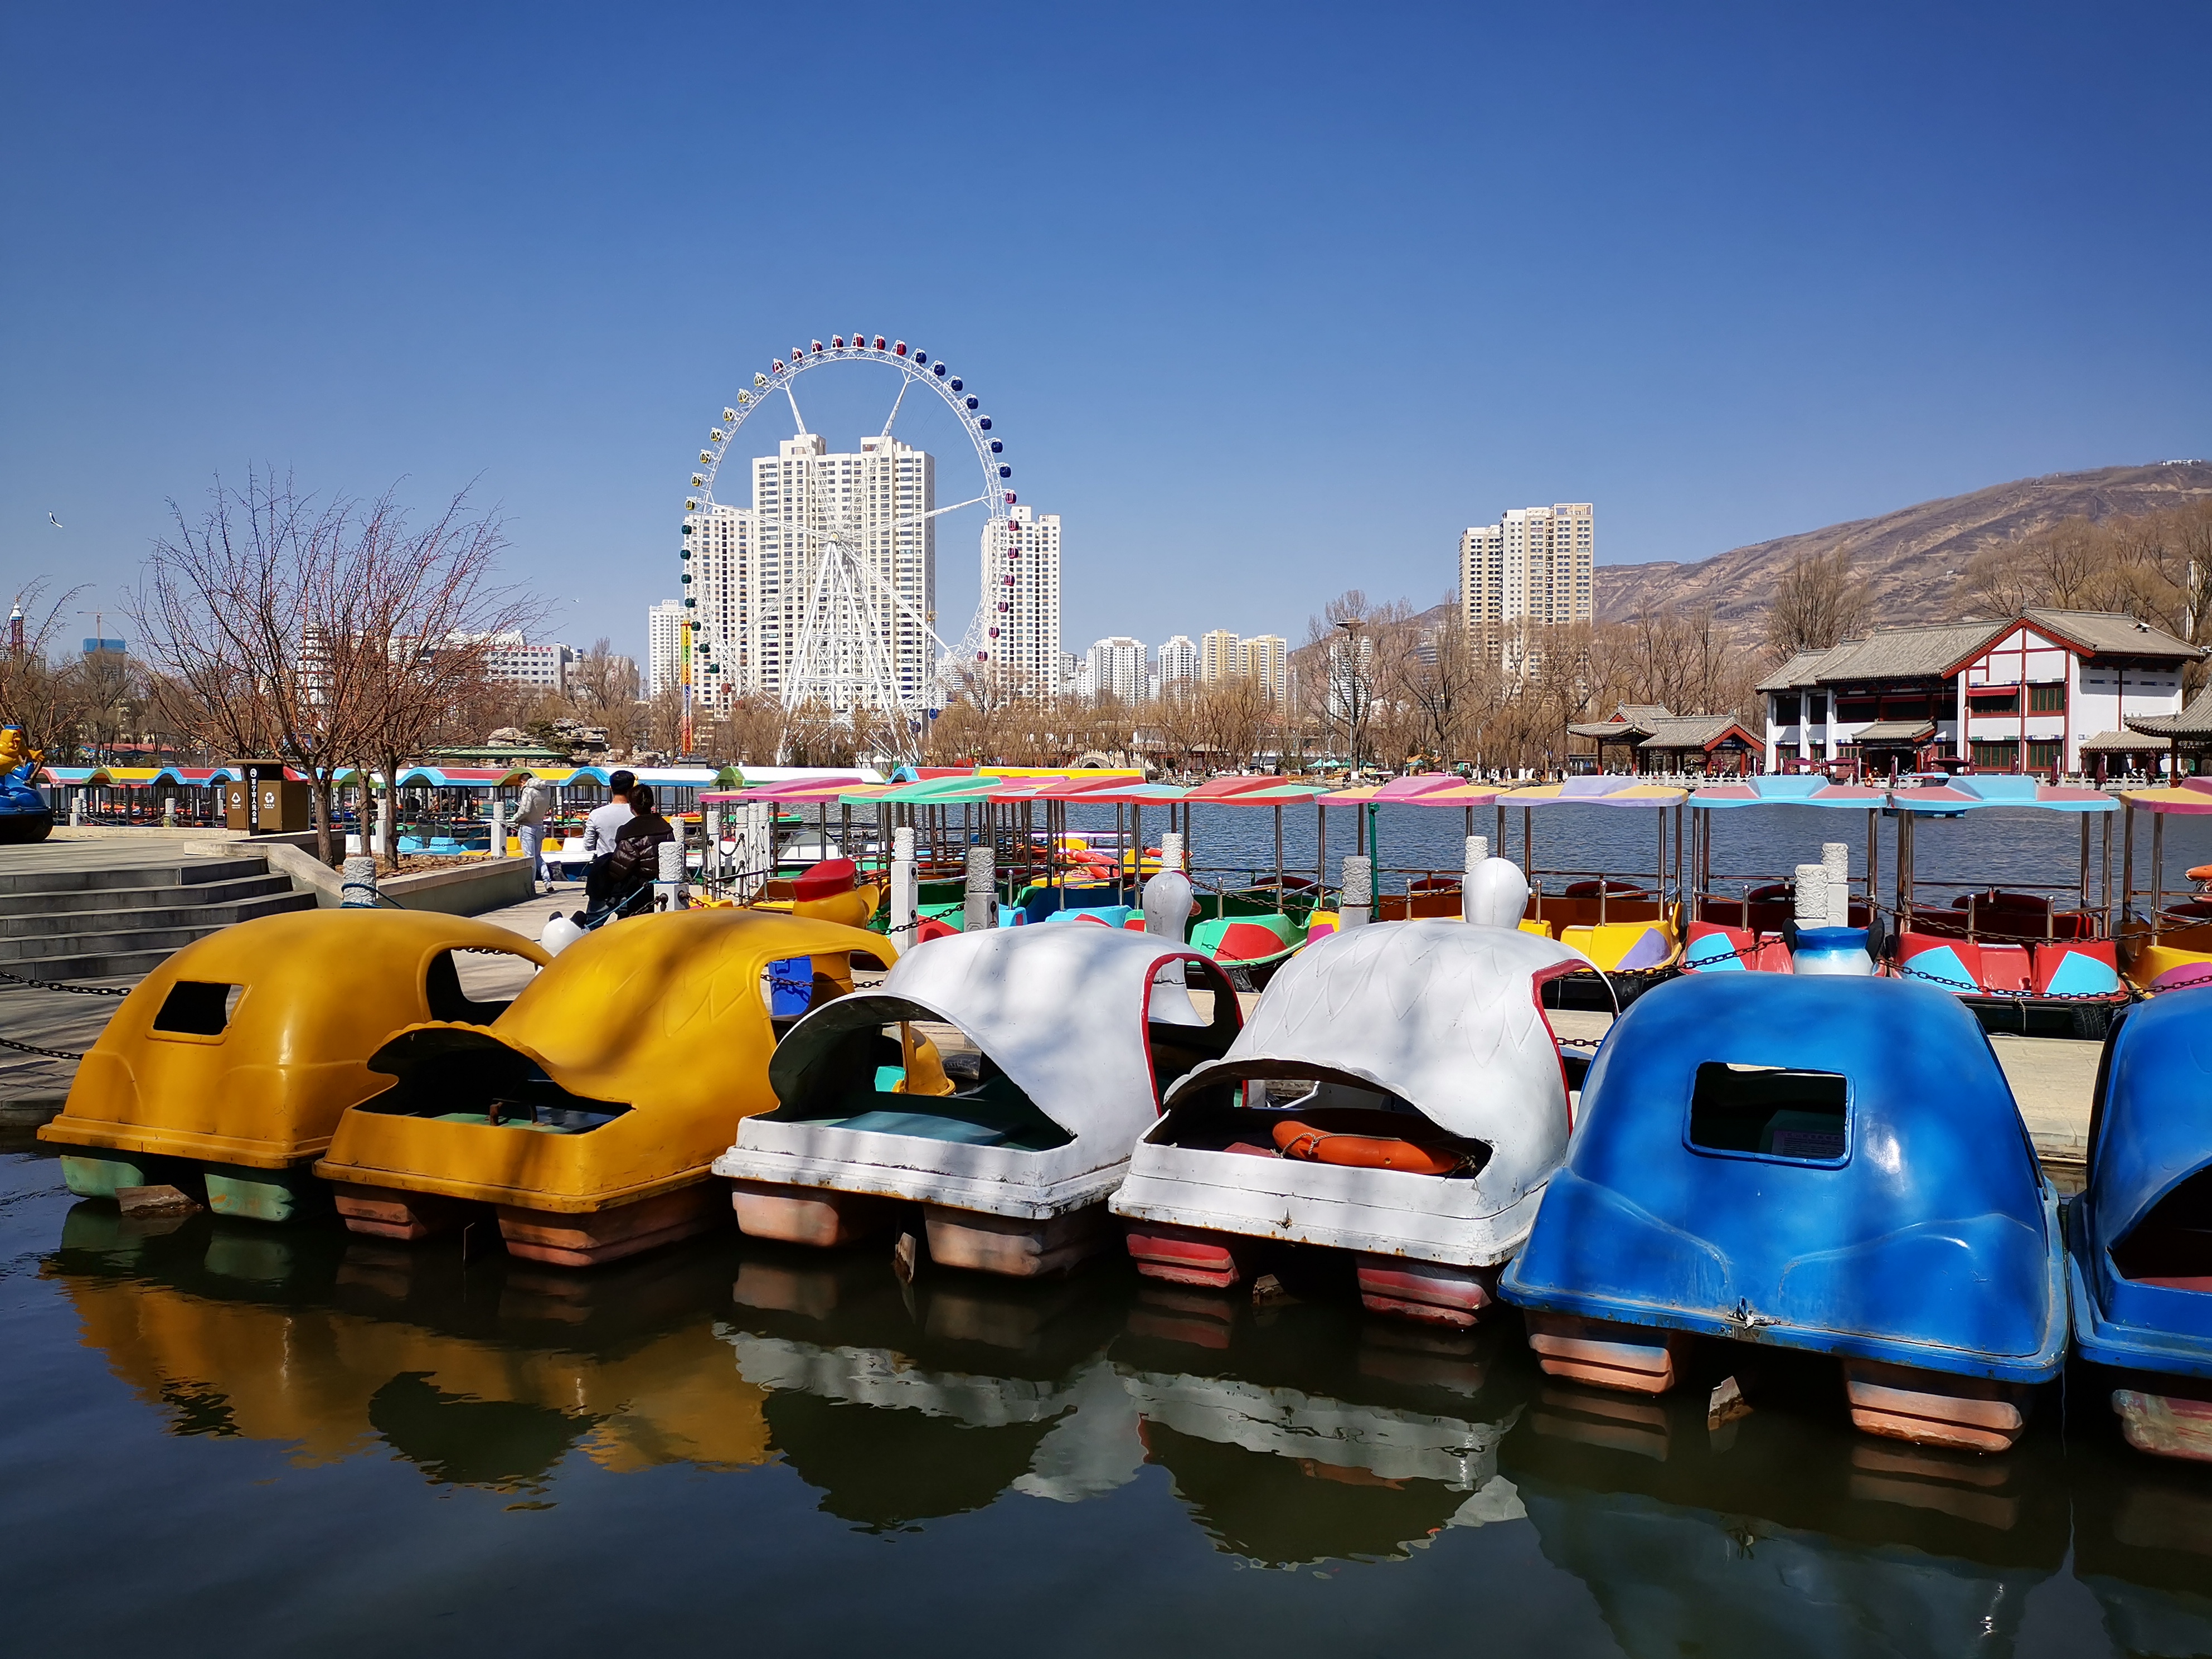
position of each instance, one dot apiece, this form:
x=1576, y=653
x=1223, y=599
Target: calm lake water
x=221, y=1437
x=2006, y=846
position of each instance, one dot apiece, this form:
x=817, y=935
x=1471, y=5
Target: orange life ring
x=1304, y=1141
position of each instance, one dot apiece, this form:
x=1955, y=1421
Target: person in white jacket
x=531, y=812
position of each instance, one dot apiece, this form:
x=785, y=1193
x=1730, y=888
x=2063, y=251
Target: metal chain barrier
x=43, y=1054
x=74, y=990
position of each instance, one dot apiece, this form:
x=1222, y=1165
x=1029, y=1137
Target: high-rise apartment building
x=1178, y=664
x=719, y=577
x=1021, y=554
x=1265, y=659
x=752, y=576
x=1533, y=567
x=1220, y=656
x=1116, y=667
x=663, y=637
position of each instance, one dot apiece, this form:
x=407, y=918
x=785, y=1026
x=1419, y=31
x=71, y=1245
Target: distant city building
x=1532, y=567
x=1114, y=667
x=1265, y=657
x=663, y=626
x=1178, y=663
x=1071, y=668
x=719, y=599
x=513, y=660
x=117, y=647
x=1220, y=656
x=1026, y=612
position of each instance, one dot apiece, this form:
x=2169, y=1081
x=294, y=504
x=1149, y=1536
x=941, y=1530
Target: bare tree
x=1816, y=603
x=329, y=634
x=34, y=693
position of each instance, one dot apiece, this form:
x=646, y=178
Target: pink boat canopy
x=2191, y=797
x=1777, y=789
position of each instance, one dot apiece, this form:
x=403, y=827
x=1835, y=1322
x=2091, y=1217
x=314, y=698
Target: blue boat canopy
x=1831, y=1164
x=2141, y=1273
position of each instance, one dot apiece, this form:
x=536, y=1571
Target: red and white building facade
x=2029, y=695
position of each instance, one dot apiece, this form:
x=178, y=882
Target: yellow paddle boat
x=584, y=1118
x=225, y=1071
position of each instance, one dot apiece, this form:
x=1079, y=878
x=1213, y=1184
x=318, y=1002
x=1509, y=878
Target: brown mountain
x=1909, y=558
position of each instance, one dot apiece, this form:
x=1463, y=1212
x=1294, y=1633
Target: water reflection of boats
x=484, y=1374
x=2143, y=1544
x=901, y=1406
x=1780, y=1534
x=1293, y=1440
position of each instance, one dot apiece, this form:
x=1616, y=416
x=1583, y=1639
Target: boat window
x=494, y=1086
x=1192, y=1017
x=924, y=1078
x=1771, y=1111
x=442, y=991
x=2171, y=1245
x=1295, y=1117
x=199, y=1008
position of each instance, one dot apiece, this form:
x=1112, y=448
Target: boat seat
x=2005, y=967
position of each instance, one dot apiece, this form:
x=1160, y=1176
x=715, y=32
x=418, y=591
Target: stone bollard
x=1477, y=849
x=497, y=846
x=1356, y=907
x=668, y=891
x=905, y=891
x=982, y=906
x=76, y=807
x=169, y=813
x=1171, y=852
x=1811, y=906
x=1836, y=859
x=710, y=852
x=357, y=884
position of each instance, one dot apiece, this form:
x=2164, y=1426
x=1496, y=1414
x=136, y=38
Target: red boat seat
x=2050, y=958
x=1246, y=941
x=2005, y=967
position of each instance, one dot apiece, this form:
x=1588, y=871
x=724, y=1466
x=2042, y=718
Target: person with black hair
x=635, y=860
x=600, y=830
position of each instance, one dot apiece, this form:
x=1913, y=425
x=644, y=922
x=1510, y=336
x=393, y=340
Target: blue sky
x=1269, y=301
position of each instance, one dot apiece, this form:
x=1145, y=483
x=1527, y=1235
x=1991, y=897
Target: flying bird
x=57, y=523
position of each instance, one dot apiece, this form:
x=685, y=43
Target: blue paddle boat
x=2139, y=1239
x=1825, y=1163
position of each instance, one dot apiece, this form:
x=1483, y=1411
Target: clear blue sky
x=1268, y=301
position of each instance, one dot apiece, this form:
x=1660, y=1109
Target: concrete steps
x=95, y=923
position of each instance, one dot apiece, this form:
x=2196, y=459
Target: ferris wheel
x=850, y=609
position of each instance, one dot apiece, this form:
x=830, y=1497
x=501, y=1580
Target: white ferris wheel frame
x=843, y=582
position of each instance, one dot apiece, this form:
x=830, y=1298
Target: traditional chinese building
x=2046, y=691
x=1650, y=738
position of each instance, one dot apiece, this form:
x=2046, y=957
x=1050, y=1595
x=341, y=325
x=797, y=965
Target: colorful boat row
x=1833, y=1165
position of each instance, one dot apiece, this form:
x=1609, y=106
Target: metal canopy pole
x=2127, y=856
x=2084, y=860
x=1279, y=859
x=2157, y=873
x=1320, y=852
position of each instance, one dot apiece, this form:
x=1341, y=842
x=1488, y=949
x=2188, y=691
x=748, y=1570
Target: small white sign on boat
x=1399, y=1094
x=1010, y=1137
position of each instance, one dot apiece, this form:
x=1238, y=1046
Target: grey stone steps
x=119, y=964
x=81, y=906
x=191, y=872
x=272, y=901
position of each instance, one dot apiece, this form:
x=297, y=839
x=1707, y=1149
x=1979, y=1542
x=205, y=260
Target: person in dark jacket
x=635, y=860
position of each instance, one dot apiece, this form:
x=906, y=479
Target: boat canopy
x=1964, y=794
x=830, y=787
x=1061, y=1011
x=463, y=777
x=1595, y=792
x=1781, y=789
x=2154, y=1119
x=1256, y=789
x=1832, y=1164
x=1440, y=1014
x=1427, y=789
x=2190, y=798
